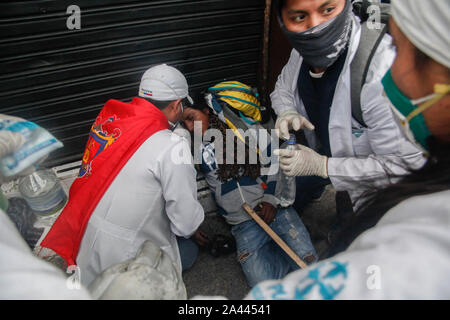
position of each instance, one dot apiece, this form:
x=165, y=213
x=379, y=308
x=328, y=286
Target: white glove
x=291, y=119
x=150, y=276
x=303, y=162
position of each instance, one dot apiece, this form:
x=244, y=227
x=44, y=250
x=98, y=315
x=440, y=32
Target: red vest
x=119, y=130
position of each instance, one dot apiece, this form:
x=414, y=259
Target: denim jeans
x=260, y=257
x=188, y=252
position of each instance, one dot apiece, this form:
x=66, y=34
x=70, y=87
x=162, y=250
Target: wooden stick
x=274, y=236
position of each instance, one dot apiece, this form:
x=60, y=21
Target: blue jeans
x=188, y=252
x=260, y=257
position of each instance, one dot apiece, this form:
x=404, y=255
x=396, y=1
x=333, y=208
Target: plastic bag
x=38, y=144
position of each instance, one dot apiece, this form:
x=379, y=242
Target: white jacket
x=405, y=256
x=360, y=156
x=25, y=276
x=154, y=197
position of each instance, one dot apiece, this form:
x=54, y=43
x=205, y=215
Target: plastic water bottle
x=286, y=187
x=43, y=192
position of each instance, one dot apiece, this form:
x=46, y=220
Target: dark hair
x=433, y=177
x=234, y=170
x=159, y=103
x=279, y=5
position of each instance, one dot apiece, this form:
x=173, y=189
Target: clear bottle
x=286, y=186
x=43, y=192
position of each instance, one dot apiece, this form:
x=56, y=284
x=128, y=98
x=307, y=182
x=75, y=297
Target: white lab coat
x=154, y=197
x=361, y=157
x=25, y=276
x=405, y=256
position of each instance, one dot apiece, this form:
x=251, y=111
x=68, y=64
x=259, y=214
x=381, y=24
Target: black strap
x=370, y=39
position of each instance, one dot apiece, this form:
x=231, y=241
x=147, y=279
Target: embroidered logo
x=100, y=138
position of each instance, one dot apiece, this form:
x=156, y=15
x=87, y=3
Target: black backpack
x=370, y=39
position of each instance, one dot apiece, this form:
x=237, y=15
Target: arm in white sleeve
x=283, y=96
x=410, y=242
x=393, y=155
x=179, y=186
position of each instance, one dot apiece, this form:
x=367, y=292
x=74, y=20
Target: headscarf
x=426, y=24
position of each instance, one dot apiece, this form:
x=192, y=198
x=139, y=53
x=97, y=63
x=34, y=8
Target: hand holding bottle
x=302, y=162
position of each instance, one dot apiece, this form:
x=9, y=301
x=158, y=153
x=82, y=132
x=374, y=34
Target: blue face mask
x=409, y=112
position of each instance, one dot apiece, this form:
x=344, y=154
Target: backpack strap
x=370, y=39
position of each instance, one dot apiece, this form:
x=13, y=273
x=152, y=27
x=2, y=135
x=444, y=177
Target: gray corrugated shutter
x=61, y=78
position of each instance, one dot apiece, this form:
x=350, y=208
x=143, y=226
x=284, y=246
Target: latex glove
x=150, y=276
x=302, y=162
x=291, y=119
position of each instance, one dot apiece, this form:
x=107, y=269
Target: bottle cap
x=292, y=139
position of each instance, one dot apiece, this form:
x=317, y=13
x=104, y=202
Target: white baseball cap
x=164, y=83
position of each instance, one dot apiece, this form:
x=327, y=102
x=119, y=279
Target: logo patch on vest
x=99, y=139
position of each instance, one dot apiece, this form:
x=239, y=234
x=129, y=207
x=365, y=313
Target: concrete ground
x=223, y=276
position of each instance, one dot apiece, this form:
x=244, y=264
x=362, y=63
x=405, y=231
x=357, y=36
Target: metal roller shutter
x=60, y=78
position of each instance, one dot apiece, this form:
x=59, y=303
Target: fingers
x=285, y=167
x=308, y=125
x=296, y=123
x=277, y=132
x=269, y=213
x=284, y=153
x=288, y=169
x=284, y=129
x=285, y=161
x=262, y=214
x=201, y=238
